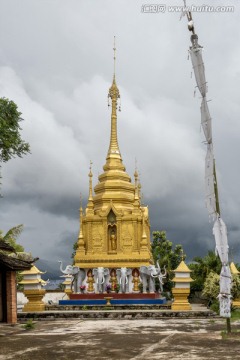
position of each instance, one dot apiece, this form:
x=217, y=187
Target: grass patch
x=235, y=315
x=30, y=325
x=224, y=334
x=234, y=334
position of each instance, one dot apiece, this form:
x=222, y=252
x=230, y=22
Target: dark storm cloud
x=55, y=205
x=66, y=242
x=56, y=63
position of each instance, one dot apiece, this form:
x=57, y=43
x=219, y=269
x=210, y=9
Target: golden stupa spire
x=114, y=95
x=136, y=195
x=144, y=241
x=114, y=183
x=80, y=202
x=80, y=237
x=90, y=197
x=139, y=191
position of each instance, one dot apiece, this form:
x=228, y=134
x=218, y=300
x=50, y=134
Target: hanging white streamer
x=220, y=234
x=206, y=121
x=219, y=228
x=210, y=198
x=198, y=67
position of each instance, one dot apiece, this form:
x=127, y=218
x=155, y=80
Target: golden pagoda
x=114, y=229
x=33, y=283
x=181, y=290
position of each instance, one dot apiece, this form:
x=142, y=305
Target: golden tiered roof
x=180, y=271
x=33, y=271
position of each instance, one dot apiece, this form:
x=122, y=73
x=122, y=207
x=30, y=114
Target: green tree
x=61, y=287
x=11, y=143
x=211, y=287
x=202, y=267
x=10, y=238
x=75, y=246
x=235, y=290
x=167, y=255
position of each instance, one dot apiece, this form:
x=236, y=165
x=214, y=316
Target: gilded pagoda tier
x=120, y=192
x=114, y=239
x=115, y=229
x=88, y=262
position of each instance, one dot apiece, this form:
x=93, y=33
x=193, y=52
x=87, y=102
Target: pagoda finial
x=139, y=191
x=143, y=243
x=80, y=236
x=114, y=95
x=80, y=201
x=90, y=181
x=114, y=57
x=182, y=255
x=90, y=197
x=136, y=195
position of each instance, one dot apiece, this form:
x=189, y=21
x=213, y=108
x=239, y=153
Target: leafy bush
x=167, y=255
x=215, y=306
x=235, y=290
x=211, y=286
x=201, y=268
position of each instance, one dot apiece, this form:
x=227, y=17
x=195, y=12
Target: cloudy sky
x=56, y=63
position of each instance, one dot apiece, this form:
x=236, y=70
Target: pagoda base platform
x=114, y=295
x=114, y=298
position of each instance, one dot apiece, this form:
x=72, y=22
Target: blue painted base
x=114, y=302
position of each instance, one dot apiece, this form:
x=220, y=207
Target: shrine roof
x=12, y=263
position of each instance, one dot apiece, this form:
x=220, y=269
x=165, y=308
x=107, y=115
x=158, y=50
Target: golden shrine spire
x=114, y=184
x=114, y=95
x=114, y=56
x=90, y=197
x=80, y=236
x=136, y=195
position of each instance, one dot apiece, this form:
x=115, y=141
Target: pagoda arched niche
x=112, y=232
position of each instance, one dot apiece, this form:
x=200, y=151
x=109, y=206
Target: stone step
x=110, y=312
x=102, y=307
x=87, y=315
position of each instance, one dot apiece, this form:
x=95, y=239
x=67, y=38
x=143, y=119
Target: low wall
x=49, y=297
x=116, y=314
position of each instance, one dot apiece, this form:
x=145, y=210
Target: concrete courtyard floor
x=120, y=339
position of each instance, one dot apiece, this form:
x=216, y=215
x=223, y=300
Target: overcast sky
x=56, y=63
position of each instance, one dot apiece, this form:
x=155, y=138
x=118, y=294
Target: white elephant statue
x=77, y=273
x=148, y=275
x=161, y=276
x=123, y=279
x=69, y=269
x=100, y=275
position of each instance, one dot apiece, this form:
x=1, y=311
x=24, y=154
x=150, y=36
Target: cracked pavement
x=189, y=339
